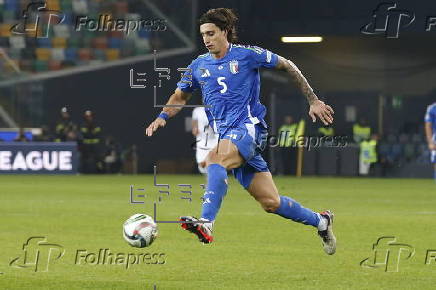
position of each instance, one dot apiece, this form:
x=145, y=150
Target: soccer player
x=228, y=77
x=430, y=132
x=205, y=137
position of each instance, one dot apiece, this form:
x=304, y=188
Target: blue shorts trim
x=250, y=140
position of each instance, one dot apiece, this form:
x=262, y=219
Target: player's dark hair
x=225, y=19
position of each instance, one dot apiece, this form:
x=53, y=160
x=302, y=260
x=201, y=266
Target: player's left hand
x=321, y=111
x=156, y=124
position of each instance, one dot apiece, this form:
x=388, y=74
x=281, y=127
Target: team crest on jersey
x=234, y=67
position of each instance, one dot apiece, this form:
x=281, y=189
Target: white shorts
x=433, y=156
x=201, y=154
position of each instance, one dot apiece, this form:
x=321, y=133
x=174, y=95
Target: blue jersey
x=230, y=85
x=430, y=116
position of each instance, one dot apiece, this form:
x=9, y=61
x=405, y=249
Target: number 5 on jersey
x=221, y=82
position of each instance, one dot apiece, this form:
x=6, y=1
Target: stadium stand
x=66, y=47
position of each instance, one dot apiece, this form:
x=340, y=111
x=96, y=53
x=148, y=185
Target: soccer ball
x=140, y=230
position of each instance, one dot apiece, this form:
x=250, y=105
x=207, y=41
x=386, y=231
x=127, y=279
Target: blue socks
x=215, y=191
x=291, y=209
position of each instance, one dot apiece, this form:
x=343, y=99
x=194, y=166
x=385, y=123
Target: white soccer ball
x=140, y=230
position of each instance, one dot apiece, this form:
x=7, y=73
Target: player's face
x=214, y=38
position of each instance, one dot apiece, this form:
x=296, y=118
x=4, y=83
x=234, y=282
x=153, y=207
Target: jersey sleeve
x=430, y=114
x=188, y=83
x=259, y=57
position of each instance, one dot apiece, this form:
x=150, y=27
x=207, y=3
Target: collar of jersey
x=214, y=60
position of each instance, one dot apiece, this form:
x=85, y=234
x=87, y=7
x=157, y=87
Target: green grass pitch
x=252, y=249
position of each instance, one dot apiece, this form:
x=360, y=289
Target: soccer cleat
x=327, y=237
x=195, y=226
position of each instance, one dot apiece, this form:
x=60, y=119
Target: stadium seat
x=31, y=42
x=112, y=54
x=99, y=54
x=80, y=7
x=43, y=42
x=409, y=151
x=40, y=65
x=28, y=53
x=384, y=149
x=9, y=16
x=121, y=7
x=5, y=30
x=14, y=53
x=100, y=42
x=17, y=42
x=69, y=18
x=43, y=54
x=61, y=30
x=59, y=42
x=71, y=54
x=87, y=41
x=94, y=6
x=85, y=54
x=142, y=46
x=115, y=43
x=396, y=151
x=417, y=138
x=116, y=34
x=391, y=138
x=4, y=42
x=54, y=65
x=53, y=5
x=128, y=48
x=74, y=41
x=26, y=65
x=143, y=33
x=24, y=4
x=66, y=5
x=11, y=5
x=58, y=54
x=404, y=138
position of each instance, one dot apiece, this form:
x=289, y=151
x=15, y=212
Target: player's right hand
x=431, y=146
x=159, y=122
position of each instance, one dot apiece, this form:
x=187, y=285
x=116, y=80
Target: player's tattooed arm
x=317, y=108
x=296, y=75
x=177, y=99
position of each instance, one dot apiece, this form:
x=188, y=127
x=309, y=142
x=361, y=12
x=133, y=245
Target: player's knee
x=270, y=205
x=215, y=158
